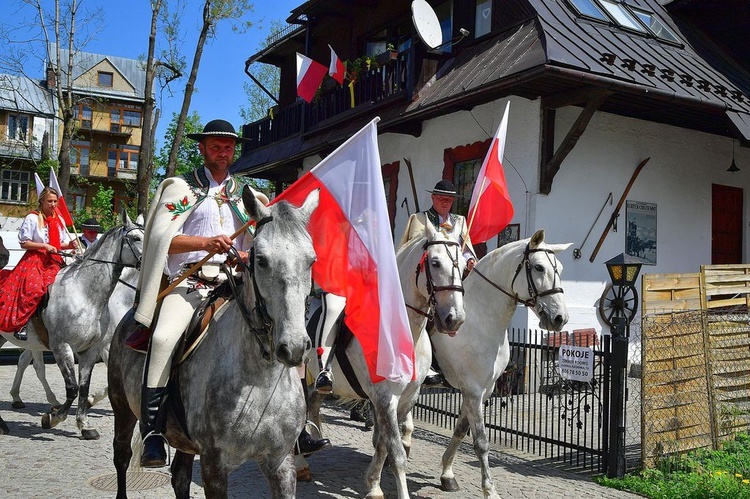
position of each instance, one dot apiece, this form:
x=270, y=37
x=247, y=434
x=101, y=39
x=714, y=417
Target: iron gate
x=535, y=410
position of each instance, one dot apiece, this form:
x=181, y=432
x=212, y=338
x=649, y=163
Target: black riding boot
x=154, y=454
x=306, y=443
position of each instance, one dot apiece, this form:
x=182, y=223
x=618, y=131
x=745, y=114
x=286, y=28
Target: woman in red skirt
x=43, y=236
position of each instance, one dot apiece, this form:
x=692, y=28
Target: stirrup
x=324, y=382
x=167, y=448
x=21, y=334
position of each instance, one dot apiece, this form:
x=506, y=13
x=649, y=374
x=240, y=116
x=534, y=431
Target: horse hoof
x=46, y=422
x=18, y=404
x=90, y=434
x=304, y=475
x=4, y=430
x=448, y=484
x=375, y=496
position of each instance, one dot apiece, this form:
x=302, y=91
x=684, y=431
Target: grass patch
x=702, y=474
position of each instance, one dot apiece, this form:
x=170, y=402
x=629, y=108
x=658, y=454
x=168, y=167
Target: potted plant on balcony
x=390, y=54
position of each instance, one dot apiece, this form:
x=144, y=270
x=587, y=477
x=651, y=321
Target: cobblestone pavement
x=56, y=463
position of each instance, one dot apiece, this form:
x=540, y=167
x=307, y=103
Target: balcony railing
x=375, y=85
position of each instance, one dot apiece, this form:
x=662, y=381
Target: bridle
x=124, y=240
x=263, y=334
x=432, y=289
x=534, y=294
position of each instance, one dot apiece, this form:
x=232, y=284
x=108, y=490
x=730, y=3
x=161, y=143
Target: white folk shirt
x=213, y=216
x=31, y=231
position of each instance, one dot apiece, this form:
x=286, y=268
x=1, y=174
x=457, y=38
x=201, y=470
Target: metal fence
x=535, y=410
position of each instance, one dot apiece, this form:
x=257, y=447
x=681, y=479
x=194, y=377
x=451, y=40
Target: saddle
x=219, y=297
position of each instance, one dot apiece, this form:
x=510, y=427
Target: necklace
x=221, y=198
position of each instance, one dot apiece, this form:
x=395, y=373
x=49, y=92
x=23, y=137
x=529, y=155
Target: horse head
x=438, y=278
x=539, y=275
x=281, y=274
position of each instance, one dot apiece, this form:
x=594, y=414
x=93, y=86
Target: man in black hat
x=90, y=232
x=452, y=225
x=192, y=215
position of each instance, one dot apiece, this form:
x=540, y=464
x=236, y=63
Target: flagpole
x=199, y=264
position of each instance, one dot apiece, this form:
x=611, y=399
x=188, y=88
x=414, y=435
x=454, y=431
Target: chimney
x=51, y=77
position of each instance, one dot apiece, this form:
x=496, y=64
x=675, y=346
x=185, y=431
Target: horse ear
x=126, y=219
x=253, y=205
x=140, y=220
x=311, y=202
x=537, y=239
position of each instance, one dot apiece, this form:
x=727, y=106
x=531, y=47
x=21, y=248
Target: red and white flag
x=309, y=77
x=336, y=69
x=351, y=234
x=62, y=208
x=39, y=184
x=491, y=209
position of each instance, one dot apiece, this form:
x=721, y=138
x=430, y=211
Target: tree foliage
x=258, y=101
x=188, y=156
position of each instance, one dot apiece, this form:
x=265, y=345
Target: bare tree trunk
x=145, y=161
x=174, y=151
x=67, y=99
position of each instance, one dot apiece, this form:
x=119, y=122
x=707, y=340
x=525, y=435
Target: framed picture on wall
x=640, y=238
x=509, y=234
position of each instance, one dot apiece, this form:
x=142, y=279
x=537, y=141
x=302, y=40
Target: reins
x=124, y=240
x=534, y=294
x=264, y=334
x=432, y=289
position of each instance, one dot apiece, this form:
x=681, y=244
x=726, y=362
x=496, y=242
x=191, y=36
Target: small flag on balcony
x=309, y=77
x=336, y=69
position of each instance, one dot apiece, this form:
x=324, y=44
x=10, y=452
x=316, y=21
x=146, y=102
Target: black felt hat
x=91, y=224
x=216, y=128
x=444, y=188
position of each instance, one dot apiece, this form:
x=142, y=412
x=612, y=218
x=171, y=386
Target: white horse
x=430, y=271
x=238, y=397
x=75, y=318
x=525, y=272
x=119, y=303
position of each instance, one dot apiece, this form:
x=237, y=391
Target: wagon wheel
x=620, y=301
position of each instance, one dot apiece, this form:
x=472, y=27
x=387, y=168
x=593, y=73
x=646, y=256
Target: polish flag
x=491, y=209
x=62, y=208
x=351, y=234
x=336, y=69
x=309, y=76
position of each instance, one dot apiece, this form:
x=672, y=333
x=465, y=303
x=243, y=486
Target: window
x=104, y=79
x=621, y=15
x=119, y=117
x=588, y=8
x=14, y=186
x=75, y=198
x=18, y=127
x=122, y=158
x=79, y=155
x=624, y=16
x=656, y=26
x=483, y=18
x=83, y=114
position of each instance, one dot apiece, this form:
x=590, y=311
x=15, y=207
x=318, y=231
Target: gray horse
x=241, y=395
x=78, y=301
x=120, y=301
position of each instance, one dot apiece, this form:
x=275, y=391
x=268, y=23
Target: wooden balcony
x=387, y=82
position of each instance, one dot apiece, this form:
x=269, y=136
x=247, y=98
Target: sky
x=219, y=87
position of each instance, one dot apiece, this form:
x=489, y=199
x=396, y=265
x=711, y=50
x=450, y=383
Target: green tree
x=268, y=75
x=101, y=208
x=188, y=156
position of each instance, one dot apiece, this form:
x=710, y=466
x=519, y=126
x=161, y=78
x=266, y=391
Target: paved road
x=56, y=463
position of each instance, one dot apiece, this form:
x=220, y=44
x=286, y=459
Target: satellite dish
x=427, y=24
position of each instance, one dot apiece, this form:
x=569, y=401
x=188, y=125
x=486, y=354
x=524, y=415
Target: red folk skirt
x=22, y=288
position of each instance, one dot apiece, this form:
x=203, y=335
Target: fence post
x=616, y=457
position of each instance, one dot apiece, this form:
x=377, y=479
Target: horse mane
x=94, y=247
x=288, y=218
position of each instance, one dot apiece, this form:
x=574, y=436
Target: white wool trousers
x=174, y=317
